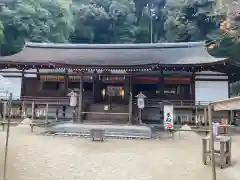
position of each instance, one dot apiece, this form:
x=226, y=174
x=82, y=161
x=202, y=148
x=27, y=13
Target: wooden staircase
x=117, y=114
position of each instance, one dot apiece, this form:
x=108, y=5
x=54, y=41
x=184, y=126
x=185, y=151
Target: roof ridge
x=115, y=46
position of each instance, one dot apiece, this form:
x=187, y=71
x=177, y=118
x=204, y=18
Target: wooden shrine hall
x=115, y=73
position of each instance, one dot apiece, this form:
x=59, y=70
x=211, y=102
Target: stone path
x=35, y=157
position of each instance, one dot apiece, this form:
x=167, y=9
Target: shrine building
x=183, y=74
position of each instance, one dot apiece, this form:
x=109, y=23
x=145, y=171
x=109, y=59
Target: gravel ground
x=35, y=157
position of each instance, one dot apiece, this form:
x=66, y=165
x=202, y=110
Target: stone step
x=106, y=122
x=109, y=117
x=110, y=130
x=115, y=108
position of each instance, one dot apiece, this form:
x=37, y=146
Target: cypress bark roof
x=112, y=55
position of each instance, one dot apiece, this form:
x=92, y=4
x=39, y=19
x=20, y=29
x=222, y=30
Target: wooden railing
x=44, y=100
x=180, y=103
x=65, y=101
x=53, y=103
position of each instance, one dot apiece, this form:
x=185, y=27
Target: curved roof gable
x=112, y=55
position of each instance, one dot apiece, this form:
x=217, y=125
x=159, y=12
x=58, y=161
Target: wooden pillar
x=127, y=89
x=206, y=119
x=161, y=83
x=46, y=118
x=33, y=110
x=94, y=78
x=98, y=88
x=80, y=99
x=23, y=84
x=229, y=95
x=66, y=80
x=4, y=111
x=231, y=120
x=130, y=101
x=193, y=88
x=196, y=114
x=23, y=110
x=212, y=142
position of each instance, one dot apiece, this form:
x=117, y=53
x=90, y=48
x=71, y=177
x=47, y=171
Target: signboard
x=140, y=100
x=113, y=78
x=168, y=116
x=140, y=103
x=77, y=78
x=73, y=99
x=106, y=107
x=48, y=77
x=51, y=77
x=177, y=79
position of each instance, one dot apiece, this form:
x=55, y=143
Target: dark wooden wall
x=31, y=86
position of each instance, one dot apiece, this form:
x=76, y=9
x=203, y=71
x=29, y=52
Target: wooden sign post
x=140, y=104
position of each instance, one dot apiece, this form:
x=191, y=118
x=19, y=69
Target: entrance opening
x=149, y=90
x=113, y=93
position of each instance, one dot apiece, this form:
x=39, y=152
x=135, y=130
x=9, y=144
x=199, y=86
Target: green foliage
x=106, y=21
x=1, y=33
x=111, y=21
x=118, y=21
x=37, y=21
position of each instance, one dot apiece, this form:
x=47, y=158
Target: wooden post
x=211, y=142
x=206, y=119
x=4, y=111
x=130, y=109
x=231, y=120
x=46, y=120
x=130, y=100
x=204, y=150
x=94, y=79
x=196, y=115
x=4, y=115
x=8, y=109
x=74, y=115
x=66, y=80
x=140, y=116
x=23, y=110
x=80, y=99
x=33, y=110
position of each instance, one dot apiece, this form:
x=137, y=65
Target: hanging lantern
x=122, y=92
x=103, y=92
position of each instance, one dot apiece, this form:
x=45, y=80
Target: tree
x=36, y=21
x=190, y=20
x=90, y=21
x=1, y=33
x=104, y=22
x=122, y=20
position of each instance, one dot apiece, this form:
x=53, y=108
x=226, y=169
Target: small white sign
x=140, y=100
x=106, y=107
x=140, y=103
x=168, y=116
x=73, y=99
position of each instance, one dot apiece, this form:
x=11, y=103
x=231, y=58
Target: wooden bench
x=178, y=130
x=37, y=124
x=5, y=123
x=224, y=153
x=97, y=134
